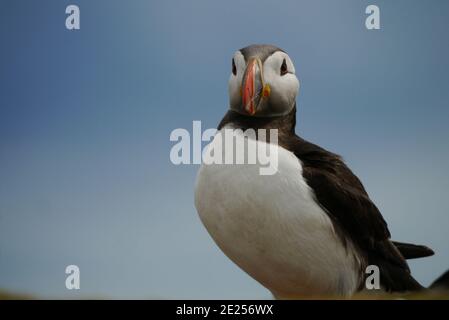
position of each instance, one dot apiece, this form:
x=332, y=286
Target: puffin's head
x=262, y=82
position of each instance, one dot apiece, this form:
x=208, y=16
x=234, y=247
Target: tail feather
x=396, y=280
x=413, y=251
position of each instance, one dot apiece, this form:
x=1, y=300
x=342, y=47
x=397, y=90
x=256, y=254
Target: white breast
x=273, y=229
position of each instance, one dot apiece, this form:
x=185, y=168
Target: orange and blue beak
x=253, y=87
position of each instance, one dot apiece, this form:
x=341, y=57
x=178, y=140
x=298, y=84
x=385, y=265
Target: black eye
x=284, y=68
x=234, y=68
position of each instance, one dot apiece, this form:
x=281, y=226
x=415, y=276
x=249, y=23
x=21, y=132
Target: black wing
x=341, y=194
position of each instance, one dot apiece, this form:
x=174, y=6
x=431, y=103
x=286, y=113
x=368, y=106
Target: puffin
x=309, y=229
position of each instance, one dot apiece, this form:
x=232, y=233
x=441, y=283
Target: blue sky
x=85, y=119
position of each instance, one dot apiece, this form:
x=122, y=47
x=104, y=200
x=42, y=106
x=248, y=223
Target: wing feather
x=343, y=197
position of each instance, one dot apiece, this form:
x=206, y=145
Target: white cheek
x=283, y=88
x=291, y=87
x=232, y=85
x=235, y=81
x=234, y=90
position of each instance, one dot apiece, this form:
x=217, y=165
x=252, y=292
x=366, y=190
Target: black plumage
x=342, y=196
